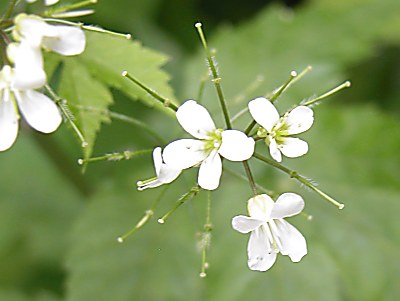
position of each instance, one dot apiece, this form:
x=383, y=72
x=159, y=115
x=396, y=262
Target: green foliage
x=85, y=80
x=58, y=242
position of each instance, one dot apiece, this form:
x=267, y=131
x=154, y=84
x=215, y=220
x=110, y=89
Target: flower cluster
x=270, y=233
x=24, y=74
x=213, y=143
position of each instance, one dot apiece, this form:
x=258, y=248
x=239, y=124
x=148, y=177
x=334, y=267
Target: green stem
x=89, y=27
x=301, y=179
x=69, y=7
x=145, y=218
x=206, y=238
x=124, y=118
x=63, y=105
x=250, y=127
x=216, y=78
x=346, y=84
x=165, y=101
x=187, y=196
x=9, y=10
x=126, y=155
x=244, y=178
x=282, y=88
x=250, y=177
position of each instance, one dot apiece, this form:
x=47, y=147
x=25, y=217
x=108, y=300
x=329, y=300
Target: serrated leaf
x=106, y=57
x=88, y=98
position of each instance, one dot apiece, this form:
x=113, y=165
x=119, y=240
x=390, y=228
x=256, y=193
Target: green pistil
x=214, y=140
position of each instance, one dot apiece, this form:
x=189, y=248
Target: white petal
x=195, y=119
x=149, y=184
x=157, y=160
x=210, y=171
x=38, y=110
x=70, y=40
x=293, y=147
x=8, y=121
x=264, y=112
x=31, y=29
x=236, y=146
x=245, y=224
x=299, y=120
x=261, y=256
x=184, y=153
x=293, y=242
x=50, y=2
x=168, y=174
x=28, y=66
x=288, y=204
x=274, y=150
x=260, y=207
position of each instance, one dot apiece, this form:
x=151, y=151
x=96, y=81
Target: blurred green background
x=58, y=227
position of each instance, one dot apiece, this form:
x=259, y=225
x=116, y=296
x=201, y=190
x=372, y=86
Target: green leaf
x=106, y=57
x=85, y=80
x=89, y=100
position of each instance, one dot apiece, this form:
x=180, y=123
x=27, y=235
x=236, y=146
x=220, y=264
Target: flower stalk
x=250, y=177
x=65, y=111
x=165, y=101
x=145, y=218
x=312, y=101
x=216, y=78
x=294, y=174
x=126, y=155
x=187, y=196
x=206, y=239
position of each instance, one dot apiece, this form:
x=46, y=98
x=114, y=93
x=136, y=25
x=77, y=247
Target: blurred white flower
x=46, y=2
x=270, y=233
x=165, y=174
x=65, y=40
x=277, y=130
x=39, y=111
x=211, y=143
x=28, y=66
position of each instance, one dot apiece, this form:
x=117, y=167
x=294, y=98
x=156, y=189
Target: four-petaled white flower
x=39, y=111
x=65, y=40
x=276, y=130
x=46, y=2
x=211, y=143
x=165, y=174
x=270, y=233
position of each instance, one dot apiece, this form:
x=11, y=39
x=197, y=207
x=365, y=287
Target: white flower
x=65, y=40
x=46, y=2
x=165, y=174
x=28, y=65
x=276, y=130
x=39, y=111
x=211, y=144
x=270, y=233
